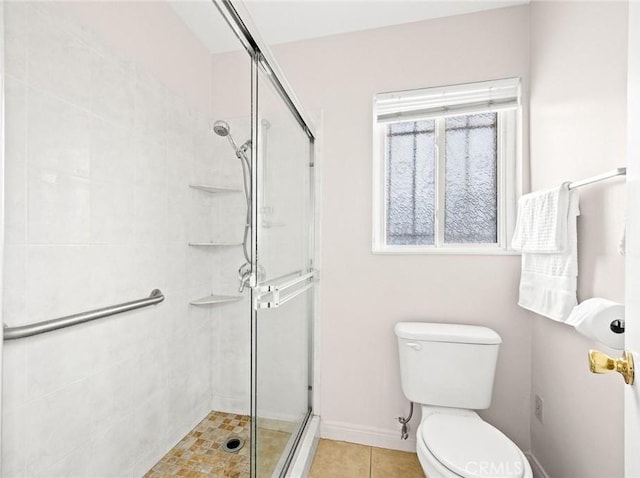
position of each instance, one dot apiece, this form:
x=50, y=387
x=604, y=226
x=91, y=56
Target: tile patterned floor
x=199, y=454
x=335, y=459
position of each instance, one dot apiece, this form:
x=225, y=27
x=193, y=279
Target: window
x=445, y=172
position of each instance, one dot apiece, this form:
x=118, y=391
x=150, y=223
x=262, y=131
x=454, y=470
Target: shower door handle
x=280, y=284
x=273, y=293
x=275, y=300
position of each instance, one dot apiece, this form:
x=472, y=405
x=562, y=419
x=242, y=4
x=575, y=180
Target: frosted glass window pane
x=471, y=201
x=410, y=160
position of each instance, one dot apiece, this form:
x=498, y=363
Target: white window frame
x=508, y=169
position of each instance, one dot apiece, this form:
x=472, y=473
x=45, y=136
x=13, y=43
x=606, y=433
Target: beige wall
x=364, y=295
x=578, y=108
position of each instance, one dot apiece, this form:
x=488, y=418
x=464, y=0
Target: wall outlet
x=539, y=408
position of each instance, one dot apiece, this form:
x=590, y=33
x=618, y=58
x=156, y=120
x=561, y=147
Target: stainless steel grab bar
x=11, y=333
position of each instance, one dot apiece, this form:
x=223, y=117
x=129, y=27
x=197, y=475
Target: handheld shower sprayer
x=222, y=128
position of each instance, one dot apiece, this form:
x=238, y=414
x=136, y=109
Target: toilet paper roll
x=593, y=317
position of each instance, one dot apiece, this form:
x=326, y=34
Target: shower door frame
x=2, y=194
x=238, y=18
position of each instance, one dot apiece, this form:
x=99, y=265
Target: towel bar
x=598, y=178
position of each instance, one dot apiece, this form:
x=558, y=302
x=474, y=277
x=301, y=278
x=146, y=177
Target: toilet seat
x=470, y=447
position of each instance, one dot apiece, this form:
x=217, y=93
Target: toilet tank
x=447, y=365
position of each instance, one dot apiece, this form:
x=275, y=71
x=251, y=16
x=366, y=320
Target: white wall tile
x=58, y=359
x=146, y=461
x=150, y=107
x=15, y=103
x=150, y=163
x=113, y=90
x=112, y=214
x=173, y=259
x=179, y=196
x=150, y=209
x=14, y=377
x=113, y=450
x=74, y=465
x=15, y=37
x=112, y=152
x=230, y=222
x=14, y=444
x=15, y=281
x=145, y=267
x=56, y=16
x=231, y=359
x=150, y=420
x=178, y=217
x=56, y=425
x=111, y=395
x=58, y=278
x=199, y=268
x=58, y=61
x=111, y=279
x=100, y=156
x=149, y=372
x=58, y=208
x=228, y=261
x=200, y=226
x=206, y=146
x=59, y=135
x=180, y=124
x=177, y=311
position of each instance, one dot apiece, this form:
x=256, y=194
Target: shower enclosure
x=153, y=146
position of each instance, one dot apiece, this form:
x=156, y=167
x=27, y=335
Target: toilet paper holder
x=617, y=326
x=601, y=320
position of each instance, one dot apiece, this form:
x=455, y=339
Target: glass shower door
x=283, y=292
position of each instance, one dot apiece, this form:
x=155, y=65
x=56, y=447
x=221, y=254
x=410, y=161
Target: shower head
x=221, y=128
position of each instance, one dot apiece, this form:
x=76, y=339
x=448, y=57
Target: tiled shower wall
x=99, y=155
x=231, y=353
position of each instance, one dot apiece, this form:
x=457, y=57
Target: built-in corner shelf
x=215, y=244
x=216, y=299
x=214, y=189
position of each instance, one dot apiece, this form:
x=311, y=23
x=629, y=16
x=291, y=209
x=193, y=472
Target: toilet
x=448, y=369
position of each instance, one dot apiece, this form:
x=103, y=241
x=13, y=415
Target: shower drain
x=233, y=445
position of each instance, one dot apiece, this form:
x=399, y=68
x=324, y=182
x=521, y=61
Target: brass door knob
x=602, y=363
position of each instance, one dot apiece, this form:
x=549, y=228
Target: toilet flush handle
x=414, y=345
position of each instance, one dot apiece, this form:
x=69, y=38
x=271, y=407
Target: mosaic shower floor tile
x=199, y=454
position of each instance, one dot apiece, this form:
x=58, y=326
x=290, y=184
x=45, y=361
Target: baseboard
x=536, y=467
x=378, y=437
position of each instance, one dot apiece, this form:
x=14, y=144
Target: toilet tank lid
x=455, y=333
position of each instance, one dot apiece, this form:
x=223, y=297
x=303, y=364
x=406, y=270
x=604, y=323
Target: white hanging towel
x=546, y=233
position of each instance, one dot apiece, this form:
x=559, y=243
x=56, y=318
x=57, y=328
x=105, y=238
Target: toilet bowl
x=458, y=443
x=449, y=369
